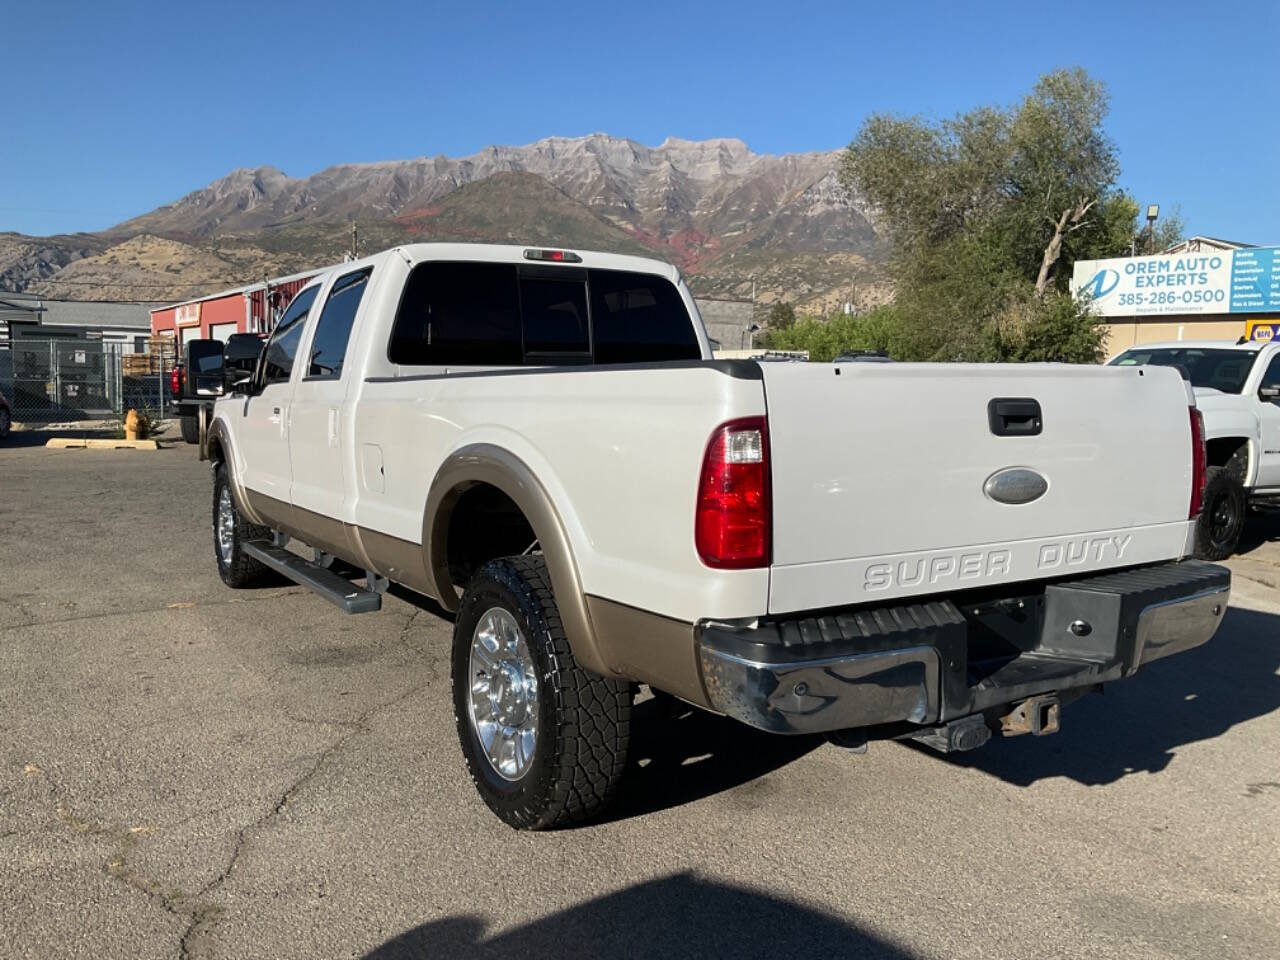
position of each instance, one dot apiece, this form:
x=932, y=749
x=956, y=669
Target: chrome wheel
x=504, y=693
x=226, y=529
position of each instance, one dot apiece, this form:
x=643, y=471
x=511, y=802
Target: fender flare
x=218, y=433
x=493, y=465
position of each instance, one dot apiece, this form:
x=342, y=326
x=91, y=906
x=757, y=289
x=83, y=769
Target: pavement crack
x=204, y=915
x=408, y=625
x=126, y=838
x=197, y=909
x=134, y=611
x=22, y=608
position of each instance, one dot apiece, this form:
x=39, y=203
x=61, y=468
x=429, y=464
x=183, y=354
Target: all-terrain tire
x=1222, y=515
x=584, y=720
x=6, y=423
x=236, y=568
x=190, y=428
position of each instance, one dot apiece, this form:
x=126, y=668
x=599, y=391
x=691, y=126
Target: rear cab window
x=460, y=314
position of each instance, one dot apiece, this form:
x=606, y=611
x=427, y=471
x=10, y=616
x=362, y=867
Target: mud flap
x=202, y=418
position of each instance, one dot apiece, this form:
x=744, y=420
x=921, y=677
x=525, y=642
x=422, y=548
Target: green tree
x=986, y=212
x=781, y=316
x=827, y=338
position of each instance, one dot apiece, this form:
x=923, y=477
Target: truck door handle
x=1015, y=417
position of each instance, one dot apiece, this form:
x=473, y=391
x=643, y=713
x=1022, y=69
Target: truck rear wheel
x=230, y=531
x=190, y=428
x=545, y=741
x=1222, y=516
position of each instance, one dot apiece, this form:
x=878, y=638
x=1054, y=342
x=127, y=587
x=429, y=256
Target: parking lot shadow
x=1138, y=723
x=1263, y=527
x=679, y=754
x=676, y=916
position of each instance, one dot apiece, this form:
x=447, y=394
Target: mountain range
x=728, y=217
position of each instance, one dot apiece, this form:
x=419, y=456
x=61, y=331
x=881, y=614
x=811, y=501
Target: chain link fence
x=73, y=380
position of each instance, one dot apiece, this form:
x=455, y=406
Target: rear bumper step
x=928, y=664
x=331, y=586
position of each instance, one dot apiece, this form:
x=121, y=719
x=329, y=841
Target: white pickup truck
x=1237, y=389
x=541, y=441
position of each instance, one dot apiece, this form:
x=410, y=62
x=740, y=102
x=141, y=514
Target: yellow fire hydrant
x=131, y=425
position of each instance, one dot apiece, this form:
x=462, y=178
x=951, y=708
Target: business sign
x=187, y=315
x=1229, y=281
x=1261, y=330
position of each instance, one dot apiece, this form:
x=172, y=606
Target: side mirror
x=206, y=368
x=1269, y=394
x=242, y=354
x=242, y=351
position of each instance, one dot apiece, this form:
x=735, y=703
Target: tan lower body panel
x=633, y=643
x=276, y=514
x=398, y=560
x=646, y=647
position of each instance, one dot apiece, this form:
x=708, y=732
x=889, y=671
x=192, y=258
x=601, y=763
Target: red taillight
x=555, y=256
x=734, y=511
x=175, y=380
x=1198, y=459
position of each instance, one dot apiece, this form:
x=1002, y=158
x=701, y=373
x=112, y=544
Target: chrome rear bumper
x=914, y=664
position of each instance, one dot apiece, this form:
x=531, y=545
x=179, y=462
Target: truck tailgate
x=880, y=476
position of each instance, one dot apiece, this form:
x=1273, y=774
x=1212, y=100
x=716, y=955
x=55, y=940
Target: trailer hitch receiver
x=1037, y=716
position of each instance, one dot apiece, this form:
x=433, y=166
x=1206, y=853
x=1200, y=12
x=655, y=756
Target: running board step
x=337, y=590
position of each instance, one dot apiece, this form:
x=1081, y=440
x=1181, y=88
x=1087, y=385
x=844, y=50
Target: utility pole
x=267, y=325
x=354, y=241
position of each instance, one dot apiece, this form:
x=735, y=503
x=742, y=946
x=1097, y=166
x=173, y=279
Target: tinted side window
x=333, y=329
x=458, y=313
x=555, y=317
x=283, y=345
x=639, y=318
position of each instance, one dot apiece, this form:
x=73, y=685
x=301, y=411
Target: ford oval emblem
x=1015, y=485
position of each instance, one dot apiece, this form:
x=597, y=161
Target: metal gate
x=61, y=380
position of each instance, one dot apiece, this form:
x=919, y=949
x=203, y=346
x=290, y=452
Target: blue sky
x=122, y=108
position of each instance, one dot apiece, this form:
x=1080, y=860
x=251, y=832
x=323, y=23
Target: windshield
x=1224, y=370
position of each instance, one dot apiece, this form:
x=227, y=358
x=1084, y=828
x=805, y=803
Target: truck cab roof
x=532, y=253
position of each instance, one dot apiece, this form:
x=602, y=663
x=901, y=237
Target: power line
x=123, y=283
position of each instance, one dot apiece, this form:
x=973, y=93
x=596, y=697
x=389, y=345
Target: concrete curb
x=73, y=443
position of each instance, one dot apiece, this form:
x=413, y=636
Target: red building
x=249, y=309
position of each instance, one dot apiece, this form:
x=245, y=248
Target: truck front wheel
x=545, y=741
x=1222, y=515
x=190, y=428
x=230, y=531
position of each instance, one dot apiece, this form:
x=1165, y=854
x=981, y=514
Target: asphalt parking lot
x=194, y=772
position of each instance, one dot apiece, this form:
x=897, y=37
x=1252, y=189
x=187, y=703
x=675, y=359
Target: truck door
x=262, y=433
x=1269, y=417
x=317, y=444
